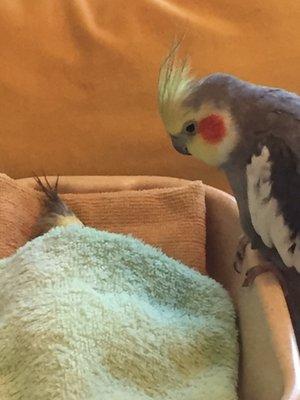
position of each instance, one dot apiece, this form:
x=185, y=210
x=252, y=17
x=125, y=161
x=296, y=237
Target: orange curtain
x=78, y=77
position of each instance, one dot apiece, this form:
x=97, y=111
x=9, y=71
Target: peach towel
x=171, y=218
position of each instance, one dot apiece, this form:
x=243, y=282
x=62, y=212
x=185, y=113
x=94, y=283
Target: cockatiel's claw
x=253, y=272
x=240, y=253
x=57, y=212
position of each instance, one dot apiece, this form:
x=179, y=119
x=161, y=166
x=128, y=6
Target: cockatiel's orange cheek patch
x=212, y=128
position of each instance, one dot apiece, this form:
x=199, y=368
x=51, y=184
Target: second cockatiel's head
x=196, y=112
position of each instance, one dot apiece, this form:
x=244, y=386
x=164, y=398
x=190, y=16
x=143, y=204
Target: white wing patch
x=265, y=215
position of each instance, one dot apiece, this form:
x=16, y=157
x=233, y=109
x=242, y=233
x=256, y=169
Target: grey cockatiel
x=252, y=133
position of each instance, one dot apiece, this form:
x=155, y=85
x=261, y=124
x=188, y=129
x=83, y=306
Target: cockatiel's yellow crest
x=173, y=86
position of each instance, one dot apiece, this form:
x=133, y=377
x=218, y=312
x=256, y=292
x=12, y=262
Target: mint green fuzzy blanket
x=89, y=315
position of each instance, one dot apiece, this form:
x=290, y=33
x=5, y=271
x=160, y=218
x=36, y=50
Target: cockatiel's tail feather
x=173, y=85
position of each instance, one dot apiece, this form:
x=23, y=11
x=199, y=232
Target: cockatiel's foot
x=253, y=272
x=240, y=253
x=57, y=212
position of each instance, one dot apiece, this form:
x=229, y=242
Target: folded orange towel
x=171, y=218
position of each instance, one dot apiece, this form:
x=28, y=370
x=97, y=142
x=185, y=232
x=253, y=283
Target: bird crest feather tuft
x=173, y=84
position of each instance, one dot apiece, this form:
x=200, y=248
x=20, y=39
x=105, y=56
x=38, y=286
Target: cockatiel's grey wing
x=273, y=192
x=273, y=197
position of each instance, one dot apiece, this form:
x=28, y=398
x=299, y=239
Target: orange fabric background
x=78, y=77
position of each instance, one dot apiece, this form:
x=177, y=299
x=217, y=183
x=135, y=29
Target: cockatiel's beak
x=179, y=144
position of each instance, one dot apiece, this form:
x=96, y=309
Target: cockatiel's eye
x=190, y=128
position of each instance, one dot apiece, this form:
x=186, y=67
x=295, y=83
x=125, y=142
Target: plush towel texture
x=171, y=218
x=93, y=315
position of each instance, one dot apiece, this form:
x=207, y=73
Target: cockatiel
x=57, y=213
x=252, y=133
